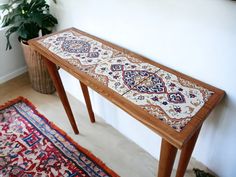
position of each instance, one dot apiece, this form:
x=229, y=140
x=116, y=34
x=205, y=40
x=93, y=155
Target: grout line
x=141, y=82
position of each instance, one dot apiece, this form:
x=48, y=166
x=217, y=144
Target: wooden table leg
x=186, y=153
x=52, y=69
x=87, y=101
x=167, y=158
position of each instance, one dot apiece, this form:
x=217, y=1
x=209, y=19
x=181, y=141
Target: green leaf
x=10, y=18
x=37, y=5
x=28, y=31
x=3, y=6
x=8, y=34
x=28, y=18
x=201, y=173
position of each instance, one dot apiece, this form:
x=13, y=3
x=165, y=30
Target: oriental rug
x=31, y=145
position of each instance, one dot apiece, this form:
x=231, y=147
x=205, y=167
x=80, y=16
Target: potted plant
x=30, y=19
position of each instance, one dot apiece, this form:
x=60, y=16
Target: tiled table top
x=165, y=96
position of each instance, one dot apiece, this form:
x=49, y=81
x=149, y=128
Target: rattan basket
x=38, y=73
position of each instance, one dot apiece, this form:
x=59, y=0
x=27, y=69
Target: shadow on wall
x=219, y=130
x=217, y=116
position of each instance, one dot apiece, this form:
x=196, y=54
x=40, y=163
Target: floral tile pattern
x=164, y=95
x=121, y=74
x=77, y=49
x=169, y=98
x=118, y=71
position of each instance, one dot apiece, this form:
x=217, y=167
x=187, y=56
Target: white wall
x=197, y=38
x=12, y=62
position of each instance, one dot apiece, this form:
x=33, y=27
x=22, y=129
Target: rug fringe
x=62, y=132
x=16, y=100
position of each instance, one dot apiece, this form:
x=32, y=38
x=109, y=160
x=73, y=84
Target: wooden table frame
x=171, y=140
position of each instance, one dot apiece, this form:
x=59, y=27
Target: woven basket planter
x=38, y=73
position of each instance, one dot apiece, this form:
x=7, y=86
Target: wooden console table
x=170, y=103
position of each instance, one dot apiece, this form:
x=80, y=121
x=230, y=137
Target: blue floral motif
x=177, y=109
x=140, y=97
x=155, y=98
x=192, y=95
x=156, y=85
x=93, y=54
x=116, y=67
x=176, y=97
x=76, y=46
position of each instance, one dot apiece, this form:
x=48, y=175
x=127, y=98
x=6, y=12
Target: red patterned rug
x=31, y=146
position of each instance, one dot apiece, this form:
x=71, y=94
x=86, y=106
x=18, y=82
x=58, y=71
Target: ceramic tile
x=113, y=68
x=74, y=46
x=169, y=98
x=121, y=73
x=162, y=94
